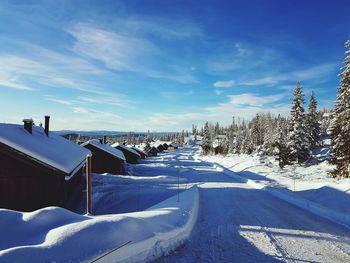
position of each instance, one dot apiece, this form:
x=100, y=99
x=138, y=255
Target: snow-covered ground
x=223, y=218
x=56, y=235
x=309, y=182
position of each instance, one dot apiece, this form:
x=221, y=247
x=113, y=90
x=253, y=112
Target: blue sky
x=163, y=65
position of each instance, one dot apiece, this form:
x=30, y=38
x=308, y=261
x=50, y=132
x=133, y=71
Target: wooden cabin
x=105, y=159
x=131, y=155
x=160, y=147
x=140, y=152
x=173, y=146
x=38, y=167
x=153, y=151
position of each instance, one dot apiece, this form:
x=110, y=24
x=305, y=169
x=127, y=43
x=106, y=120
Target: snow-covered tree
x=257, y=132
x=341, y=122
x=281, y=144
x=312, y=122
x=206, y=140
x=298, y=139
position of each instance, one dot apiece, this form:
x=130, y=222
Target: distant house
x=140, y=152
x=105, y=159
x=165, y=145
x=37, y=168
x=131, y=155
x=153, y=151
x=173, y=146
x=160, y=147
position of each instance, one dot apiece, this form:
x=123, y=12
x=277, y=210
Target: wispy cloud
x=159, y=27
x=224, y=83
x=95, y=114
x=60, y=101
x=34, y=72
x=116, y=51
x=12, y=82
x=243, y=106
x=123, y=52
x=230, y=57
x=323, y=71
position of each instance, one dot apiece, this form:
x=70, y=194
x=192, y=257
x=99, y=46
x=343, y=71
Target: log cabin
x=105, y=159
x=131, y=155
x=140, y=152
x=37, y=167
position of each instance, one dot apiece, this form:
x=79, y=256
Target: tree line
x=291, y=139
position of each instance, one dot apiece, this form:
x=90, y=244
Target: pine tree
x=341, y=123
x=206, y=141
x=257, y=134
x=281, y=145
x=298, y=139
x=312, y=122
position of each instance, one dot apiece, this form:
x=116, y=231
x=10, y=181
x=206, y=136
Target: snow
x=227, y=215
x=105, y=147
x=314, y=189
x=126, y=148
x=55, y=234
x=53, y=150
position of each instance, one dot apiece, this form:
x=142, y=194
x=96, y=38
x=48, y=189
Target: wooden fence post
x=88, y=185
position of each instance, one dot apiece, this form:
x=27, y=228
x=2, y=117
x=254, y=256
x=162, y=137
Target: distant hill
x=107, y=133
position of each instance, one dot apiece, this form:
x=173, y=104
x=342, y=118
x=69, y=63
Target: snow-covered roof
x=105, y=147
x=53, y=150
x=174, y=144
x=125, y=148
x=138, y=149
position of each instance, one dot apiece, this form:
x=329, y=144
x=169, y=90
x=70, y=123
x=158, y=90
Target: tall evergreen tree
x=341, y=124
x=312, y=122
x=206, y=141
x=281, y=144
x=298, y=139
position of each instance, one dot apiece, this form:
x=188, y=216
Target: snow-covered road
x=237, y=223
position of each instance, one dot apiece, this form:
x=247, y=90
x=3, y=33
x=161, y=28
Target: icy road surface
x=237, y=223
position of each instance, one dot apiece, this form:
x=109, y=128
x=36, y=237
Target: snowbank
x=55, y=234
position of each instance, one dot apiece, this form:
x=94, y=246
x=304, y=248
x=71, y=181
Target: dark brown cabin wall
x=27, y=185
x=103, y=162
x=143, y=155
x=27, y=188
x=130, y=157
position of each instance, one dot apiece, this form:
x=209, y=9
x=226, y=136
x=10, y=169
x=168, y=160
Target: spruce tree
x=312, y=122
x=298, y=140
x=341, y=124
x=281, y=144
x=206, y=141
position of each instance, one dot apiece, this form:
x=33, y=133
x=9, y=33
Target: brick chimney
x=28, y=125
x=47, y=125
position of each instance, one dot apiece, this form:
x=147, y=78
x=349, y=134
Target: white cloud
x=34, y=72
x=322, y=71
x=161, y=28
x=123, y=52
x=60, y=101
x=9, y=81
x=93, y=114
x=232, y=57
x=224, y=83
x=116, y=51
x=244, y=106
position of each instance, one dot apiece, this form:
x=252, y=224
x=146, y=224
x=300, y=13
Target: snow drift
x=56, y=234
